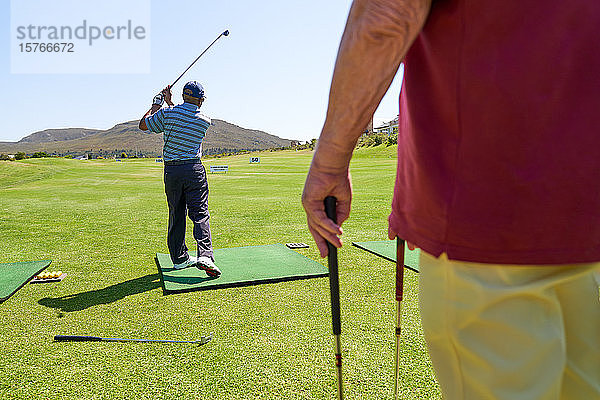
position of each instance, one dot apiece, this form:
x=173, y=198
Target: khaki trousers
x=512, y=332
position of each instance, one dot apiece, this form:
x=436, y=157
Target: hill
x=221, y=137
x=53, y=135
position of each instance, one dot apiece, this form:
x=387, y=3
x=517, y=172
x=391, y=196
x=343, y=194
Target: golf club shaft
x=75, y=338
x=334, y=288
x=399, y=295
x=225, y=33
x=338, y=367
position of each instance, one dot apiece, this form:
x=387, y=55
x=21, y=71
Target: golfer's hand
x=166, y=92
x=319, y=185
x=158, y=100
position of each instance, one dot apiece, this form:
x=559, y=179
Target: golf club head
x=204, y=339
x=226, y=33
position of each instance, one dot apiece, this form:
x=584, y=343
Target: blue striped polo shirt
x=183, y=128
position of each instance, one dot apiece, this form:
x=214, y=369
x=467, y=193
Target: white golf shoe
x=190, y=262
x=208, y=266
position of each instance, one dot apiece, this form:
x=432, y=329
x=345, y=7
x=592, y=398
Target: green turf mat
x=13, y=276
x=240, y=266
x=387, y=249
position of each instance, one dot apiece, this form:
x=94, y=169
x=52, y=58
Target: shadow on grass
x=110, y=294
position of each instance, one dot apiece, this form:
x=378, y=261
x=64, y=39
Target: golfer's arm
x=142, y=124
x=377, y=36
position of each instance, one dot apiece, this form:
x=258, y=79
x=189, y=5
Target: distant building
x=389, y=128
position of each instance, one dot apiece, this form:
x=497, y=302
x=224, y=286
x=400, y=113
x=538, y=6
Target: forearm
x=377, y=36
x=152, y=110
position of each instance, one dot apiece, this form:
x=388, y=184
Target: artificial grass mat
x=240, y=266
x=13, y=276
x=386, y=249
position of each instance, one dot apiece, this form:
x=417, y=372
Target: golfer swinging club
x=183, y=128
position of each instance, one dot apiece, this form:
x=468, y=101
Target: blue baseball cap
x=193, y=89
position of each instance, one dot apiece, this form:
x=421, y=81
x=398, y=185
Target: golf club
x=334, y=288
x=225, y=33
x=399, y=295
x=73, y=338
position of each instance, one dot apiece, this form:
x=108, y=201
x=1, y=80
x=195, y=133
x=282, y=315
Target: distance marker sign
x=254, y=160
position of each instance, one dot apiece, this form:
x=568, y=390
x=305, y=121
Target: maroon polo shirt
x=499, y=143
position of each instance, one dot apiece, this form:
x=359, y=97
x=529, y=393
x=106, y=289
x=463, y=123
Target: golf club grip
x=334, y=284
x=330, y=203
x=73, y=338
x=399, y=268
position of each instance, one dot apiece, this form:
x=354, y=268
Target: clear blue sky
x=272, y=73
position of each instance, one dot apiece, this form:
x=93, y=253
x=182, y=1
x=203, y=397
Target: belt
x=181, y=162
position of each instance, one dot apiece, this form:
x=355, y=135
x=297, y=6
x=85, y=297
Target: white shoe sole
x=209, y=270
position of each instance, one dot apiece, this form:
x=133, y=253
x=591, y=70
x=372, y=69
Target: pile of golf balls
x=49, y=275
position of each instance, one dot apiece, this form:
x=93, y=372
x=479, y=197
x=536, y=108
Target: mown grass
x=102, y=222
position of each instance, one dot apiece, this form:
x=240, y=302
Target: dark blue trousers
x=187, y=191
